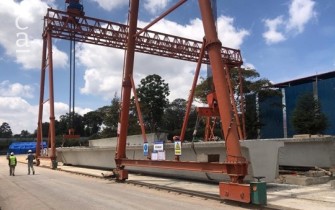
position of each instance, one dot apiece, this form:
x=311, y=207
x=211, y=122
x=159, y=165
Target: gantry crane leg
x=47, y=63
x=236, y=164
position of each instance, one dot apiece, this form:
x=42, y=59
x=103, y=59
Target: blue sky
x=282, y=40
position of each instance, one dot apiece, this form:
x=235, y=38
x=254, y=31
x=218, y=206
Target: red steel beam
x=208, y=112
x=161, y=16
x=106, y=33
x=178, y=165
x=52, y=102
x=190, y=97
x=126, y=84
x=41, y=103
x=139, y=113
x=213, y=167
x=100, y=32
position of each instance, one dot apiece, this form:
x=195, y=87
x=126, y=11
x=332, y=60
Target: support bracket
x=235, y=191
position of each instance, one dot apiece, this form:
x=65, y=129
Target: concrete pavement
x=281, y=196
x=54, y=189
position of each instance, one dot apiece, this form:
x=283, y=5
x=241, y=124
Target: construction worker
x=30, y=158
x=12, y=163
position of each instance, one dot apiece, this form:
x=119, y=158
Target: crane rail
x=192, y=193
x=106, y=33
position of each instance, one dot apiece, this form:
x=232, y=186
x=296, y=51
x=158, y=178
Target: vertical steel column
x=41, y=103
x=51, y=99
x=225, y=107
x=126, y=84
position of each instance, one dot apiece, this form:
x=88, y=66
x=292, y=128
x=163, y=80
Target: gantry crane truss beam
x=62, y=25
x=110, y=34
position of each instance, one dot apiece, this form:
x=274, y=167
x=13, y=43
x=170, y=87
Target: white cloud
x=248, y=66
x=272, y=35
x=104, y=66
x=229, y=35
x=24, y=24
x=31, y=58
x=20, y=115
x=16, y=89
x=110, y=5
x=301, y=12
x=103, y=74
x=154, y=6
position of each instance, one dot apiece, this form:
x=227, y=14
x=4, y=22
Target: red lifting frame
x=235, y=165
x=59, y=24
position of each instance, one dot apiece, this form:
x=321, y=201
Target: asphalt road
x=52, y=189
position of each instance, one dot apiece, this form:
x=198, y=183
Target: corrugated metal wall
x=270, y=114
x=292, y=94
x=326, y=95
x=271, y=118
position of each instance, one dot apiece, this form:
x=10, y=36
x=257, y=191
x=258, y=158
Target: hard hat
x=12, y=153
x=29, y=151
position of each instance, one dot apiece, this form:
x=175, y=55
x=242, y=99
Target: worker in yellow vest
x=12, y=163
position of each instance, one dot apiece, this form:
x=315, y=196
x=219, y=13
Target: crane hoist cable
x=72, y=81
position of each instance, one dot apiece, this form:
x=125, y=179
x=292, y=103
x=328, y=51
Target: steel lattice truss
x=110, y=34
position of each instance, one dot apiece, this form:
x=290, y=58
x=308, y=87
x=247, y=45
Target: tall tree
x=92, y=123
x=25, y=133
x=134, y=123
x=307, y=117
x=174, y=118
x=74, y=121
x=174, y=114
x=110, y=117
x=5, y=130
x=152, y=94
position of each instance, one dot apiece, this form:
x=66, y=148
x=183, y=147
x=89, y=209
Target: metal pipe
x=73, y=82
x=51, y=97
x=214, y=167
x=126, y=85
x=160, y=17
x=40, y=108
x=70, y=89
x=139, y=113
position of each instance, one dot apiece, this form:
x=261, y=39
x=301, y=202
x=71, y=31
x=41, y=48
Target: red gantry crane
x=73, y=25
